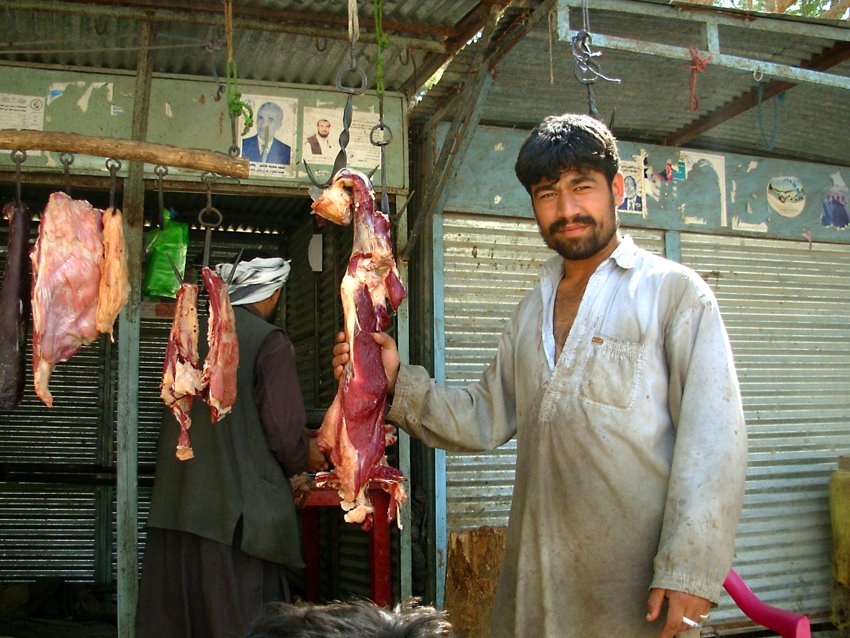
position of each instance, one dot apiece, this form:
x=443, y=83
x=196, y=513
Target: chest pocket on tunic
x=612, y=375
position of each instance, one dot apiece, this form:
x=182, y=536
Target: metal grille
x=785, y=305
x=490, y=265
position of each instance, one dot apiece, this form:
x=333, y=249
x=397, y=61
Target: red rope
x=697, y=65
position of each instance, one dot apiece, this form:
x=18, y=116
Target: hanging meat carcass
x=182, y=378
x=66, y=263
x=353, y=429
x=223, y=357
x=14, y=307
x=114, y=277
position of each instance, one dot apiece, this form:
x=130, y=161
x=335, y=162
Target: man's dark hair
x=571, y=141
x=362, y=619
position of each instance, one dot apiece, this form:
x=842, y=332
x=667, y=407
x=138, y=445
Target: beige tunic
x=631, y=452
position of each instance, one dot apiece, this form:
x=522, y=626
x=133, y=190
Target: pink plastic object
x=787, y=624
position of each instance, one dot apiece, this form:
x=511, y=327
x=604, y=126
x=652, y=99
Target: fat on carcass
x=114, y=276
x=182, y=378
x=14, y=307
x=66, y=263
x=353, y=429
x=222, y=360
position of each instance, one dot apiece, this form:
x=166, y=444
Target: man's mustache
x=555, y=226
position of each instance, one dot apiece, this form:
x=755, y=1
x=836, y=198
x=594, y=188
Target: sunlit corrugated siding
x=786, y=306
x=490, y=264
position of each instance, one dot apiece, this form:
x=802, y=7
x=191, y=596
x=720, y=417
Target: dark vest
x=233, y=473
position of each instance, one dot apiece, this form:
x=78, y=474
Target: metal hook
x=160, y=171
x=323, y=47
x=67, y=159
x=18, y=157
x=406, y=60
x=175, y=270
x=113, y=166
x=758, y=76
x=233, y=266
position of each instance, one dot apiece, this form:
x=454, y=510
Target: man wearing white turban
x=223, y=526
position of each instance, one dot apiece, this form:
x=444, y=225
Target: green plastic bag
x=172, y=240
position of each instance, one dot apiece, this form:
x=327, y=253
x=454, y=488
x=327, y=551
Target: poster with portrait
x=320, y=130
x=634, y=186
x=269, y=143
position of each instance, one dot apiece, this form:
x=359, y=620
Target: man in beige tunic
x=616, y=376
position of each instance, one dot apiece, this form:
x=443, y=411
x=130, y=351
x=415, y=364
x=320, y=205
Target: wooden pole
x=129, y=330
x=117, y=148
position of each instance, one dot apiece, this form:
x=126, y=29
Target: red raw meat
x=65, y=284
x=353, y=429
x=223, y=356
x=14, y=307
x=182, y=379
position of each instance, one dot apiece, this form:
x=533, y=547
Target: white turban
x=254, y=280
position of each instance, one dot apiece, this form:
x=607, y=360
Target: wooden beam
x=821, y=62
x=836, y=10
x=458, y=137
x=117, y=148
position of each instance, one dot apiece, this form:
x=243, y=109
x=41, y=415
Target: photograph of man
x=264, y=146
x=320, y=142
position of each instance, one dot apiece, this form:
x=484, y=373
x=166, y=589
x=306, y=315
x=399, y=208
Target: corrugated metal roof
x=306, y=43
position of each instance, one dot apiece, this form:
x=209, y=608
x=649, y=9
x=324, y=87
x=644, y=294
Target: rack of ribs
x=353, y=428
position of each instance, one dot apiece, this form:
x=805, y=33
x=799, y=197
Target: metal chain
x=341, y=160
x=214, y=215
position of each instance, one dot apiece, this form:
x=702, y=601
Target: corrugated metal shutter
x=47, y=515
x=490, y=264
x=786, y=306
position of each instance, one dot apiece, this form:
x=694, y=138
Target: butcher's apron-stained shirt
x=631, y=448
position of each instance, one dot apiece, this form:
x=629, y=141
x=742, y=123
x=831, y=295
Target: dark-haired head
x=363, y=619
x=571, y=141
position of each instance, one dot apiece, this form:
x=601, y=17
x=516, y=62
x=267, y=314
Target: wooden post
x=128, y=355
x=474, y=565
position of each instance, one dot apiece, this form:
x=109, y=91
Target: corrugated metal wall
x=490, y=264
x=785, y=305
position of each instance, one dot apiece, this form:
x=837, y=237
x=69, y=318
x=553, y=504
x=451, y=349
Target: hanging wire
x=341, y=160
x=113, y=166
x=160, y=171
x=236, y=106
x=18, y=157
x=553, y=27
x=769, y=144
x=383, y=41
x=67, y=159
x=586, y=70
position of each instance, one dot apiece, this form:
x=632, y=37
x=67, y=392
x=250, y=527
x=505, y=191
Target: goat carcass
x=353, y=429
